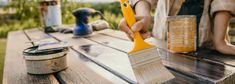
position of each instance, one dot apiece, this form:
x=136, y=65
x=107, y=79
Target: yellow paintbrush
x=144, y=57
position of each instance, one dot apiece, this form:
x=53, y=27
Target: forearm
x=221, y=23
x=142, y=8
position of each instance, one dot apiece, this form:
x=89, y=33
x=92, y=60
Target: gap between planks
x=62, y=75
x=80, y=41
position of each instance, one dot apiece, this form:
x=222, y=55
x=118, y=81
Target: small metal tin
x=45, y=61
x=181, y=35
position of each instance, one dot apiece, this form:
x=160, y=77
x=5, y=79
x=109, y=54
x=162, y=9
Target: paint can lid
x=32, y=53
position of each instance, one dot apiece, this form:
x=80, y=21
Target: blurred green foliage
x=2, y=55
x=23, y=14
x=232, y=25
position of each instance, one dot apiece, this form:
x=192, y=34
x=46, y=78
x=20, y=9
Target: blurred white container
x=50, y=12
x=3, y=2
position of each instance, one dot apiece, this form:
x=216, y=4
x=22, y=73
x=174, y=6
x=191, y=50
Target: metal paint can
x=45, y=61
x=181, y=35
x=50, y=13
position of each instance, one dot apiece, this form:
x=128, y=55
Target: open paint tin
x=181, y=35
x=45, y=61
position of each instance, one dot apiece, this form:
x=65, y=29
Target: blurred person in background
x=213, y=18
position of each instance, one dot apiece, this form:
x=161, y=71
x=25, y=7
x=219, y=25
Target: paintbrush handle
x=129, y=15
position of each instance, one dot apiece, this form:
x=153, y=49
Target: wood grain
x=215, y=56
x=102, y=55
x=115, y=59
x=204, y=70
x=15, y=68
x=203, y=54
x=80, y=69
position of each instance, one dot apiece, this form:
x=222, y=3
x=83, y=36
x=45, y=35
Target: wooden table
x=102, y=59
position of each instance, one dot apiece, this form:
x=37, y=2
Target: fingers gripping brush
x=144, y=58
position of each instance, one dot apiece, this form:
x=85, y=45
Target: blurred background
x=23, y=14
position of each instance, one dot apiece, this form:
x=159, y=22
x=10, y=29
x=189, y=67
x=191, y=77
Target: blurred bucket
x=181, y=36
x=50, y=13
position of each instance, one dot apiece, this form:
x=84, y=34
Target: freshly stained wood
x=182, y=79
x=207, y=71
x=204, y=54
x=210, y=72
x=15, y=68
x=114, y=59
x=215, y=56
x=80, y=69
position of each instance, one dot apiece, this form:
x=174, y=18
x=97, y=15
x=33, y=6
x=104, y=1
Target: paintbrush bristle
x=148, y=67
x=143, y=56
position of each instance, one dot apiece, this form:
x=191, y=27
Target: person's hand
x=141, y=26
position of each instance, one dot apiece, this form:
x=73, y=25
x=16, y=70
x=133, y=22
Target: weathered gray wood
x=15, y=68
x=80, y=69
x=112, y=58
x=102, y=54
x=79, y=73
x=182, y=63
x=114, y=33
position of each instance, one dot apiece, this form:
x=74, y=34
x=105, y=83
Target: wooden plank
x=205, y=54
x=215, y=56
x=114, y=33
x=101, y=54
x=114, y=59
x=81, y=69
x=208, y=71
x=189, y=65
x=15, y=68
x=182, y=79
x=79, y=73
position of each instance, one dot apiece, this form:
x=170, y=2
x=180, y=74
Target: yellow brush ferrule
x=128, y=13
